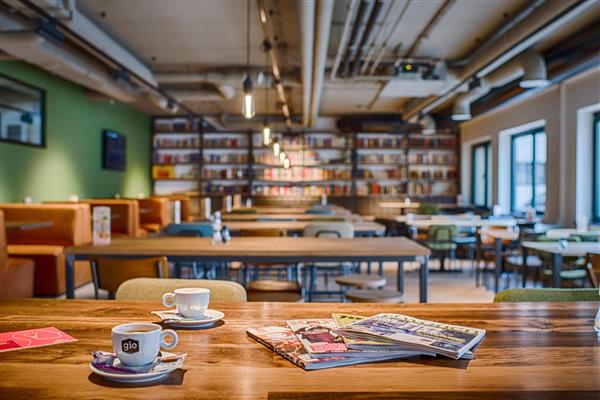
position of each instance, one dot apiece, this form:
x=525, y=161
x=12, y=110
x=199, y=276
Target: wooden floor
x=444, y=287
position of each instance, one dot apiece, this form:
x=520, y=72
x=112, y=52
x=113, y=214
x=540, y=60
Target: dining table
x=27, y=225
x=533, y=351
x=291, y=250
x=557, y=251
x=287, y=217
x=295, y=228
x=565, y=233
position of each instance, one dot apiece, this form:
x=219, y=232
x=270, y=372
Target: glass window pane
x=597, y=167
x=489, y=175
x=523, y=172
x=540, y=172
x=479, y=176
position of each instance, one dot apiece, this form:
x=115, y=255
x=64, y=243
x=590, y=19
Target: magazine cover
x=450, y=340
x=317, y=337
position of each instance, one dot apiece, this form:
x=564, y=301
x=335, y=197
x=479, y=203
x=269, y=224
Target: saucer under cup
x=190, y=302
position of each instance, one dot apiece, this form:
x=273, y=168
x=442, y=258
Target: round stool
x=272, y=290
x=361, y=281
x=374, y=296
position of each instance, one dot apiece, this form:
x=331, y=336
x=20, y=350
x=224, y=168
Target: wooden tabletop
x=362, y=227
x=263, y=247
x=457, y=221
x=572, y=249
x=564, y=233
x=289, y=216
x=291, y=209
x=27, y=225
x=532, y=351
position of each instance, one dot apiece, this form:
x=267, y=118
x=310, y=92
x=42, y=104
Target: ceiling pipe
x=365, y=35
x=499, y=33
x=324, y=15
x=531, y=33
x=307, y=18
x=383, y=48
x=360, y=14
x=344, y=38
x=372, y=47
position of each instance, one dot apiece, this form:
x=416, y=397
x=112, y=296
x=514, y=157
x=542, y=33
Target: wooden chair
x=16, y=274
x=110, y=273
x=593, y=267
x=152, y=289
x=270, y=289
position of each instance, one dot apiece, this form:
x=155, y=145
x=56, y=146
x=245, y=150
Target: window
x=481, y=168
x=596, y=174
x=528, y=187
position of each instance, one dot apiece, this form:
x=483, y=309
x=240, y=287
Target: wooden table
x=457, y=221
x=27, y=225
x=291, y=209
x=260, y=250
x=564, y=233
x=499, y=237
x=289, y=217
x=532, y=351
x=364, y=228
x=572, y=250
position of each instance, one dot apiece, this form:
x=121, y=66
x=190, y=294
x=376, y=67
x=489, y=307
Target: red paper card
x=33, y=338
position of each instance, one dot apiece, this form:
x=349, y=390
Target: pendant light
x=248, y=109
x=282, y=157
x=286, y=163
x=266, y=127
x=276, y=148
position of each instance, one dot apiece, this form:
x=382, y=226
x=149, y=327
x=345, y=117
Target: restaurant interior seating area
x=293, y=199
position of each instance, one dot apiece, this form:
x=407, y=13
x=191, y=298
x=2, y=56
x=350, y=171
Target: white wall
x=557, y=107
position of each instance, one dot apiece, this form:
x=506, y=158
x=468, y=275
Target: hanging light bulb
x=286, y=163
x=266, y=134
x=282, y=157
x=248, y=109
x=276, y=148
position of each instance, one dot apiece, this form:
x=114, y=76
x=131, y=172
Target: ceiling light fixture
x=266, y=127
x=248, y=109
x=282, y=157
x=276, y=148
x=286, y=163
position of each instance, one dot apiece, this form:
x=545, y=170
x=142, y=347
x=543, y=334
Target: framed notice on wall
x=22, y=113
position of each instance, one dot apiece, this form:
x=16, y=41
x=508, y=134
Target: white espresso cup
x=190, y=302
x=138, y=344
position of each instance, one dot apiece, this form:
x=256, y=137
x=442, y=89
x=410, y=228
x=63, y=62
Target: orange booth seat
x=16, y=274
x=155, y=213
x=186, y=205
x=70, y=225
x=125, y=215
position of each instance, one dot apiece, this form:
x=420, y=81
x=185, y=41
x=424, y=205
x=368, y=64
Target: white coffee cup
x=138, y=344
x=190, y=302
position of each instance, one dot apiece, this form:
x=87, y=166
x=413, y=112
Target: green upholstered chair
x=516, y=295
x=573, y=269
x=441, y=242
x=428, y=209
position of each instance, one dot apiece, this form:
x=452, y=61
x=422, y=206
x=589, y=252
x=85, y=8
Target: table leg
x=400, y=276
x=525, y=268
x=70, y=276
x=556, y=267
x=497, y=264
x=423, y=278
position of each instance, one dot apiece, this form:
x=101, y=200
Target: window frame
x=530, y=132
x=487, y=145
x=596, y=163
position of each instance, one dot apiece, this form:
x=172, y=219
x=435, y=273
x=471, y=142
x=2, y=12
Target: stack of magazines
x=351, y=339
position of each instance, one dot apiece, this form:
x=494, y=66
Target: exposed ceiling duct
x=324, y=15
x=60, y=60
x=530, y=66
x=344, y=38
x=375, y=10
x=307, y=17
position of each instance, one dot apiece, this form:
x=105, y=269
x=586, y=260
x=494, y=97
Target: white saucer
x=134, y=378
x=210, y=317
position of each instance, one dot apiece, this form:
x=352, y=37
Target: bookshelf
x=370, y=165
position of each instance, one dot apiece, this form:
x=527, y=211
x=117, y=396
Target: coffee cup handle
x=168, y=299
x=174, y=339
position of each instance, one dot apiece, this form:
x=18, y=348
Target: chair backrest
x=428, y=209
x=485, y=239
x=518, y=295
x=189, y=229
x=185, y=202
x=441, y=233
x=155, y=210
x=125, y=214
x=329, y=229
x=320, y=211
x=267, y=232
x=71, y=224
x=110, y=273
x=593, y=267
x=148, y=289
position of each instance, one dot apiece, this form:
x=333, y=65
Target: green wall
x=71, y=163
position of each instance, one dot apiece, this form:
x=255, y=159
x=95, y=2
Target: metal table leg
x=70, y=276
x=556, y=268
x=400, y=276
x=525, y=267
x=498, y=264
x=423, y=278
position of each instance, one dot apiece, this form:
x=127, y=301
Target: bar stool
x=361, y=281
x=374, y=296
